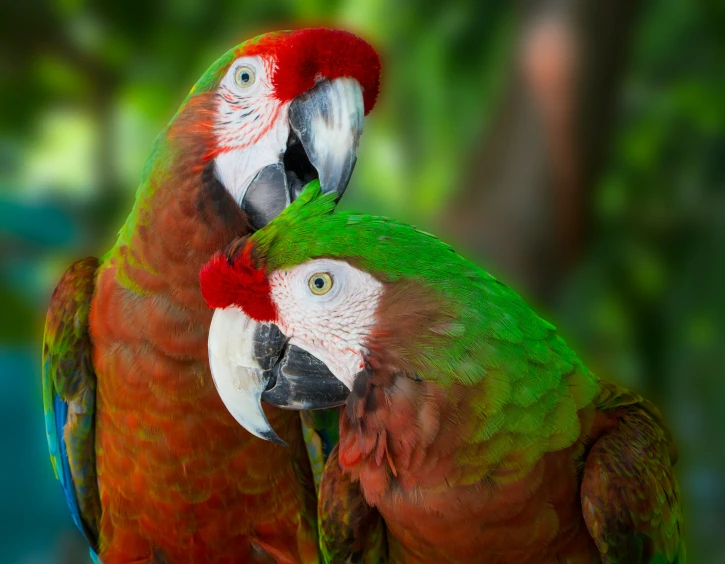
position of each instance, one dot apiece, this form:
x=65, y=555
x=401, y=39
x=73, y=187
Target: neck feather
x=183, y=213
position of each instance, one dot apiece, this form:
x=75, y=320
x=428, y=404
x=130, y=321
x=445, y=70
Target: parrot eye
x=320, y=283
x=244, y=76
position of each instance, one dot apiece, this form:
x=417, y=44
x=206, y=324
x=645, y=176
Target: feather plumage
x=69, y=395
x=474, y=430
x=153, y=467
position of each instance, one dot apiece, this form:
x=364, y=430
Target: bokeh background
x=575, y=147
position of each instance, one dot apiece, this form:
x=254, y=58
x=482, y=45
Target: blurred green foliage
x=85, y=87
x=647, y=301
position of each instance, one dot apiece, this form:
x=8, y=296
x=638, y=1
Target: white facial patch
x=251, y=125
x=332, y=326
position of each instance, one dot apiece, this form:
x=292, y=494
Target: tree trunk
x=524, y=204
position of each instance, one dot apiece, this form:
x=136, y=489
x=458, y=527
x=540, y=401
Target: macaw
x=153, y=468
x=470, y=432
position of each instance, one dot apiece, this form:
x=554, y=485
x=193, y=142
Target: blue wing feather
x=69, y=386
x=64, y=475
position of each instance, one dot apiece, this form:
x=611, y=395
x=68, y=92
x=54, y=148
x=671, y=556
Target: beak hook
x=251, y=362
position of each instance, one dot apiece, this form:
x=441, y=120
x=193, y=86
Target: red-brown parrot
x=471, y=432
x=153, y=467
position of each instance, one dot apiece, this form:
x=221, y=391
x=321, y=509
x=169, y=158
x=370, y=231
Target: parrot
x=468, y=430
x=154, y=469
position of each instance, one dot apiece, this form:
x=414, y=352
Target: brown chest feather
x=402, y=442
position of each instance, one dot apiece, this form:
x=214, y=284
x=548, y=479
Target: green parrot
x=153, y=468
x=470, y=431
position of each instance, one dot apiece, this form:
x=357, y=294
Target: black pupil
x=319, y=283
x=245, y=77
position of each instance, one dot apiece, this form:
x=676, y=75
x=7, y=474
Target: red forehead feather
x=301, y=56
x=237, y=283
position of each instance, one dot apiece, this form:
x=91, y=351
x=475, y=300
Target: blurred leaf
x=18, y=319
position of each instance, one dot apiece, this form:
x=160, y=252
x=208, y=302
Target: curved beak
x=252, y=361
x=325, y=127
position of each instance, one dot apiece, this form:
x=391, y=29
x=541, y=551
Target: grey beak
x=295, y=379
x=328, y=120
x=301, y=381
x=325, y=127
x=267, y=195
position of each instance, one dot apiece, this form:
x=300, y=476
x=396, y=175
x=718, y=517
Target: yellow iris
x=244, y=76
x=320, y=283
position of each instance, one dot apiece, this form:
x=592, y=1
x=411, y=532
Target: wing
x=629, y=493
x=69, y=395
x=350, y=529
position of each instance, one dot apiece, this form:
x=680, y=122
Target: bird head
x=307, y=307
x=322, y=308
x=278, y=111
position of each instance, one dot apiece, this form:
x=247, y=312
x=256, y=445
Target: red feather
x=238, y=282
x=320, y=52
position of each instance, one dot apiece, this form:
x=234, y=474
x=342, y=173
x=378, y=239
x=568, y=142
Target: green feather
x=528, y=389
x=513, y=361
